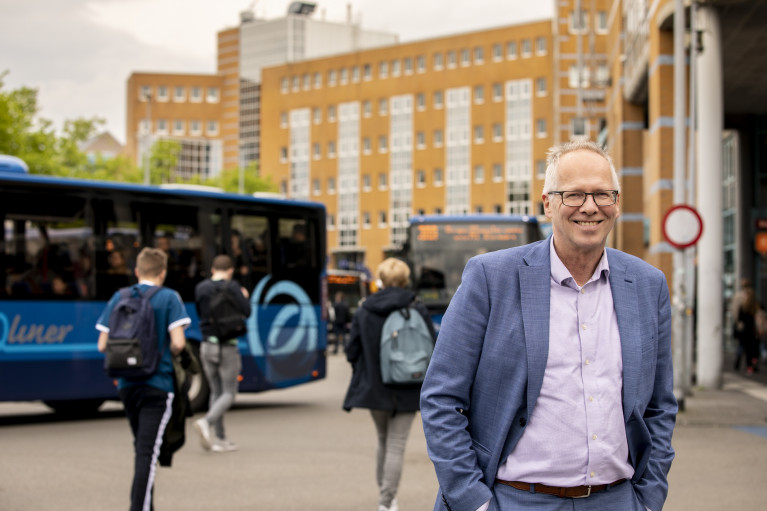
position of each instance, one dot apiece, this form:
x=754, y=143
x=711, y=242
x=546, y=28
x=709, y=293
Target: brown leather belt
x=575, y=492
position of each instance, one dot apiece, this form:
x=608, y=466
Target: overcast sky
x=80, y=53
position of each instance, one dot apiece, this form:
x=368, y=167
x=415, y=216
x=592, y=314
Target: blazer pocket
x=483, y=454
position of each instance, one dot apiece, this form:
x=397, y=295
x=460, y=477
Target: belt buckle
x=588, y=493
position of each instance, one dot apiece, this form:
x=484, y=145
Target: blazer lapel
x=535, y=296
x=623, y=286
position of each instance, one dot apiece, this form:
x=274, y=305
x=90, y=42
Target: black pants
x=148, y=410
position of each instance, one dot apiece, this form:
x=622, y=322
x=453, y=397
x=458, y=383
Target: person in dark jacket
x=393, y=410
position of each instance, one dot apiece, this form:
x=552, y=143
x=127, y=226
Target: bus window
x=251, y=248
x=296, y=242
x=116, y=248
x=42, y=248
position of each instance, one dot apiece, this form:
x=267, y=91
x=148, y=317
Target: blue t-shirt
x=169, y=312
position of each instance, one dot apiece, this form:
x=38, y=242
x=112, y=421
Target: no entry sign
x=682, y=226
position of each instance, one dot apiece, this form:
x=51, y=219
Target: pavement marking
x=754, y=430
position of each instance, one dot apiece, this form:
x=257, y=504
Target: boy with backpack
x=146, y=392
x=223, y=308
x=393, y=403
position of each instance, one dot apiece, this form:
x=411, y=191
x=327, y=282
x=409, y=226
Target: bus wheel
x=199, y=392
x=76, y=408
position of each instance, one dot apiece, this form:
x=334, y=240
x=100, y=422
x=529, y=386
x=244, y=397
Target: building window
x=316, y=151
x=383, y=106
x=479, y=94
x=478, y=209
x=307, y=81
x=317, y=80
x=602, y=75
x=527, y=49
x=366, y=145
x=355, y=74
x=421, y=63
x=297, y=84
x=283, y=187
x=213, y=128
x=283, y=119
x=437, y=138
x=179, y=127
x=366, y=183
x=382, y=179
x=420, y=101
x=437, y=211
x=179, y=94
x=437, y=177
x=283, y=154
x=383, y=69
x=213, y=95
x=331, y=149
x=317, y=115
x=465, y=57
x=331, y=186
x=540, y=46
x=395, y=68
x=585, y=77
x=579, y=127
x=438, y=99
x=578, y=23
x=497, y=92
x=497, y=52
x=162, y=127
x=284, y=85
x=332, y=113
x=479, y=134
x=382, y=219
x=343, y=76
x=451, y=61
x=497, y=132
x=540, y=169
x=408, y=66
x=331, y=77
x=540, y=128
x=479, y=55
x=420, y=178
x=316, y=187
x=162, y=93
x=195, y=128
x=511, y=50
x=540, y=86
x=366, y=220
x=497, y=209
x=145, y=93
x=331, y=222
x=382, y=146
x=367, y=108
x=438, y=61
x=497, y=172
x=479, y=174
x=420, y=138
x=601, y=22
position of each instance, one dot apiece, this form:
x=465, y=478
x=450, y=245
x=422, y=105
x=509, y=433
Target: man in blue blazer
x=551, y=385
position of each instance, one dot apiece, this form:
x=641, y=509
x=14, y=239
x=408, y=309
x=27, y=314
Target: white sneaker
x=203, y=428
x=394, y=506
x=223, y=446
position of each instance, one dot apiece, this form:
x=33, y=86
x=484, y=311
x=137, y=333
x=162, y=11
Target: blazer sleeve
x=445, y=395
x=660, y=414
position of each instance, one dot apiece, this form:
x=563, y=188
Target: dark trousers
x=339, y=332
x=148, y=410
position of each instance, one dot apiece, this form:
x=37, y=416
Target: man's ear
x=546, y=204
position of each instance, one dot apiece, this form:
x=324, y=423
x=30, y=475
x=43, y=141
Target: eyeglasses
x=578, y=199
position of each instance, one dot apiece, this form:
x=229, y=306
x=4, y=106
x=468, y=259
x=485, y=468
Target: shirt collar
x=560, y=274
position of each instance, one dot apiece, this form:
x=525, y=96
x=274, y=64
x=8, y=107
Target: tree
x=229, y=180
x=163, y=161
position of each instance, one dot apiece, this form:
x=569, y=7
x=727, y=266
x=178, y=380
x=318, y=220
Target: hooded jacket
x=366, y=389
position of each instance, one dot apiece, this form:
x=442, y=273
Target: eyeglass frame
x=615, y=194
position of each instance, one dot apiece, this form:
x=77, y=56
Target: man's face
x=581, y=231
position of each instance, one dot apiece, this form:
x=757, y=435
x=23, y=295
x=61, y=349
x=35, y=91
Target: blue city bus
x=439, y=246
x=68, y=244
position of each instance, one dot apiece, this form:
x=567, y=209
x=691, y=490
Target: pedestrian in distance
x=392, y=409
x=220, y=355
x=340, y=321
x=148, y=403
x=551, y=379
x=744, y=313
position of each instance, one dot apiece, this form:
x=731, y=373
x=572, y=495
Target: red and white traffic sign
x=682, y=226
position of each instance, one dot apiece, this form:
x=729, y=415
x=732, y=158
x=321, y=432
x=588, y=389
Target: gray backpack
x=406, y=348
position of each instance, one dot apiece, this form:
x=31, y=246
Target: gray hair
x=555, y=153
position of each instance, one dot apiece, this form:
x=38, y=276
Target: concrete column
x=710, y=109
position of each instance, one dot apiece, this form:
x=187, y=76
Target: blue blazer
x=487, y=370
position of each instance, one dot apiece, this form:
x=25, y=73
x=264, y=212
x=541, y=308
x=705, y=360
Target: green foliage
x=229, y=180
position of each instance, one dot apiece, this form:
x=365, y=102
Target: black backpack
x=133, y=351
x=226, y=318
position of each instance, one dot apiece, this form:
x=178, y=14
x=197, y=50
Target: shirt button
x=588, y=361
x=583, y=291
x=592, y=474
x=591, y=398
x=583, y=326
x=594, y=437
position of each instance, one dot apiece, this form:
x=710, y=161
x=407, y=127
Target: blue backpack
x=406, y=348
x=133, y=351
